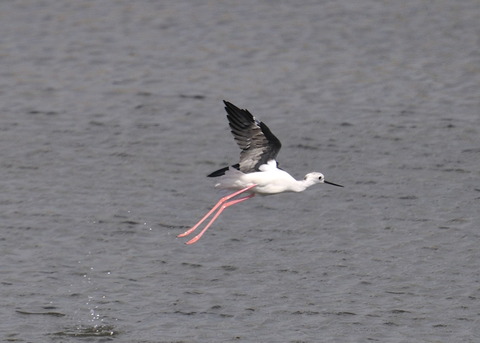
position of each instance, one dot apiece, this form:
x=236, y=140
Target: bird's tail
x=231, y=179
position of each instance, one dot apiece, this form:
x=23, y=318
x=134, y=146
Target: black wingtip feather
x=222, y=171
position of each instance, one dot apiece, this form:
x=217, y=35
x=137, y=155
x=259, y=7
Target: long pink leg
x=220, y=202
x=224, y=206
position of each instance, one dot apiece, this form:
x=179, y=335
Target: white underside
x=269, y=180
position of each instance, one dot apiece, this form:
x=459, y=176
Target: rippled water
x=111, y=117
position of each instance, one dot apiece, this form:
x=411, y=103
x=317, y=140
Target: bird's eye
x=320, y=178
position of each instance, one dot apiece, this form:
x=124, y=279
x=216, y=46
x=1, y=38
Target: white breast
x=271, y=181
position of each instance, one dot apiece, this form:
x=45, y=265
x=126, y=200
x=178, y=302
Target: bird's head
x=316, y=177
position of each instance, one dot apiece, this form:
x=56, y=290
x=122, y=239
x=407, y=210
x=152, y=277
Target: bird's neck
x=302, y=185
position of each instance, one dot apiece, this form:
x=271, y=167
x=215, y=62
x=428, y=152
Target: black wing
x=257, y=142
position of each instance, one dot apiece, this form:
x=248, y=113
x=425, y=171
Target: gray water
x=111, y=116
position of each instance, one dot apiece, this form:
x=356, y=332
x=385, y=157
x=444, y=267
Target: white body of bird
x=268, y=180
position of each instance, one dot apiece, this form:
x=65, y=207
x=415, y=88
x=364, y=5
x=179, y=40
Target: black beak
x=333, y=184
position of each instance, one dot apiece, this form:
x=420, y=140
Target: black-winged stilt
x=257, y=172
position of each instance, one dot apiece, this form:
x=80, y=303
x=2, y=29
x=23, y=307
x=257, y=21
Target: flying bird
x=257, y=172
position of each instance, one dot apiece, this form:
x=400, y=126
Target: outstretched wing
x=257, y=142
